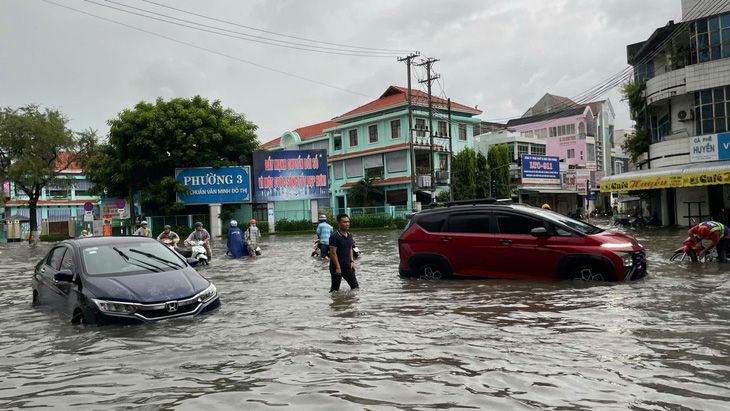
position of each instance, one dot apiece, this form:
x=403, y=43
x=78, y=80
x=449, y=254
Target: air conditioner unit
x=685, y=115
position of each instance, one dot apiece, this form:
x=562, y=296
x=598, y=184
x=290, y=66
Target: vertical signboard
x=290, y=175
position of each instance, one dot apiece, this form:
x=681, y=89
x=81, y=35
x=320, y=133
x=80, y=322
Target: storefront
x=681, y=195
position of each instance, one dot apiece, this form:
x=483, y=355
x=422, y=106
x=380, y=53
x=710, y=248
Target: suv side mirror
x=539, y=232
x=63, y=276
x=193, y=262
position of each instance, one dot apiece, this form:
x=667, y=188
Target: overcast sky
x=500, y=55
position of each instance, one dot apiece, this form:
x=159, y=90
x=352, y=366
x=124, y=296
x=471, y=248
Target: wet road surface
x=281, y=341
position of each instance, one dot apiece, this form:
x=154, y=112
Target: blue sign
x=543, y=170
x=210, y=185
x=592, y=197
x=290, y=175
x=723, y=146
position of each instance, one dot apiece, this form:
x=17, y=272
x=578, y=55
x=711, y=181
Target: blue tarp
x=235, y=242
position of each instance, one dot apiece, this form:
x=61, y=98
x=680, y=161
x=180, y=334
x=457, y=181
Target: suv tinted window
x=517, y=224
x=432, y=222
x=477, y=223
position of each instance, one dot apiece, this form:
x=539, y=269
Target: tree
x=498, y=159
x=464, y=168
x=365, y=193
x=35, y=148
x=482, y=179
x=148, y=142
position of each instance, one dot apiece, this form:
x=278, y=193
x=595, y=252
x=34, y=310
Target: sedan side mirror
x=193, y=262
x=64, y=276
x=539, y=232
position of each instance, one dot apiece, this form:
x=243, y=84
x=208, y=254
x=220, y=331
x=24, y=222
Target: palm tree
x=365, y=192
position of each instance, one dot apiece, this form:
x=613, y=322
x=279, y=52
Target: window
x=522, y=149
x=68, y=261
x=712, y=109
x=337, y=166
x=537, y=149
x=55, y=258
x=395, y=129
x=644, y=71
x=590, y=152
x=442, y=129
x=511, y=151
x=420, y=127
x=564, y=130
x=375, y=172
x=432, y=222
x=353, y=138
x=541, y=133
x=517, y=224
x=338, y=143
x=397, y=161
x=710, y=39
x=462, y=132
x=443, y=161
x=476, y=223
x=373, y=165
x=373, y=133
x=571, y=153
x=581, y=154
x=82, y=186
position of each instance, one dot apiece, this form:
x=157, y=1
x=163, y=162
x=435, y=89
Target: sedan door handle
x=504, y=241
x=445, y=238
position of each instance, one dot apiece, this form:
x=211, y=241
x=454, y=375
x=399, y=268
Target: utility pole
x=451, y=154
x=429, y=80
x=411, y=154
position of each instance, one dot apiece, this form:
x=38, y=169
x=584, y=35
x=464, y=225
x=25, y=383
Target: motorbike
x=316, y=252
x=198, y=252
x=171, y=245
x=688, y=252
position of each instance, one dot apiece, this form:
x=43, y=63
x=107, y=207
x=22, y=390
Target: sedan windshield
x=579, y=226
x=130, y=257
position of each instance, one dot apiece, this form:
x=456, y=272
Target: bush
x=294, y=225
x=53, y=237
x=400, y=222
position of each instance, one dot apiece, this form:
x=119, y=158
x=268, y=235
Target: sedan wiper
x=128, y=259
x=150, y=255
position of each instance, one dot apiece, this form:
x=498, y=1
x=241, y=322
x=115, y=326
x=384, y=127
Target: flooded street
x=281, y=341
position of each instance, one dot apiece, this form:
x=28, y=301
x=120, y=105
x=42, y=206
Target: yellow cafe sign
x=669, y=181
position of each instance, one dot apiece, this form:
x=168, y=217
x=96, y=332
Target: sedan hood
x=147, y=287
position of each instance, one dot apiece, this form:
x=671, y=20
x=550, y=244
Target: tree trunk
x=132, y=217
x=33, y=235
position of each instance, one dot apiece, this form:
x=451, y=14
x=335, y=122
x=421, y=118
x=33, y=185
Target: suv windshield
x=129, y=258
x=579, y=226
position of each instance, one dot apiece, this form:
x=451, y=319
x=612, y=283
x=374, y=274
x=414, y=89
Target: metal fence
x=393, y=211
x=157, y=222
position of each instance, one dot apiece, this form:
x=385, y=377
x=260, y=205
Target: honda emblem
x=171, y=306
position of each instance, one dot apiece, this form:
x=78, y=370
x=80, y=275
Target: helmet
x=323, y=218
x=252, y=221
x=546, y=206
x=234, y=223
x=167, y=227
x=84, y=232
x=198, y=224
x=144, y=222
x=704, y=231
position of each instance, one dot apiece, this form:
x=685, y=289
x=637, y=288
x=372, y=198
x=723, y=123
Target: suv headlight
x=115, y=306
x=627, y=259
x=208, y=294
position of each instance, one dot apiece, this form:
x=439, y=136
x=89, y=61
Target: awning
x=685, y=175
x=15, y=217
x=547, y=190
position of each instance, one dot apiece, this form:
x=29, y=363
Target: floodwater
x=280, y=341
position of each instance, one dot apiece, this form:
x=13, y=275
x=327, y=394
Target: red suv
x=515, y=241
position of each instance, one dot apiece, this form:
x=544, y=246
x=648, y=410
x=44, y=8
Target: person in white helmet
x=234, y=242
x=324, y=230
x=143, y=231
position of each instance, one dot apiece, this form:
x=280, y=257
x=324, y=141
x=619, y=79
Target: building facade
x=685, y=174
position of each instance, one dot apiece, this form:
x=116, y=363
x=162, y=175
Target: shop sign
x=706, y=179
x=703, y=148
x=540, y=169
x=567, y=140
x=650, y=183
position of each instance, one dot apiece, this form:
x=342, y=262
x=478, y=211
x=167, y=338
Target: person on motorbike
x=201, y=234
x=143, y=231
x=252, y=236
x=234, y=242
x=324, y=230
x=716, y=232
x=167, y=233
x=85, y=234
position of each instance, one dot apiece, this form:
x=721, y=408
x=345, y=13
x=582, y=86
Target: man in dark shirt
x=342, y=262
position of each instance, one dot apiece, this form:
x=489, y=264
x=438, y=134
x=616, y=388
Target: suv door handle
x=504, y=241
x=445, y=238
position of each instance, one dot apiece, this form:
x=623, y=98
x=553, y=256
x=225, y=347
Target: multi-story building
x=685, y=67
x=374, y=140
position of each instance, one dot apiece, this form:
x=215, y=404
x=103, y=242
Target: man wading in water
x=342, y=263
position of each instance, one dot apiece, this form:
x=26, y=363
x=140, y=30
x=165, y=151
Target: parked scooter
x=317, y=251
x=198, y=252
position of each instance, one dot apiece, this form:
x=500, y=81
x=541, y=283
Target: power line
x=211, y=51
x=314, y=49
x=275, y=33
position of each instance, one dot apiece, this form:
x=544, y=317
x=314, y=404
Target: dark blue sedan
x=120, y=280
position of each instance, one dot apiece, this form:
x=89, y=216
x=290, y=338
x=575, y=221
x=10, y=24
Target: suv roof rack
x=473, y=202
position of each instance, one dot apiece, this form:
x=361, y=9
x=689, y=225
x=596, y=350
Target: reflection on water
x=281, y=340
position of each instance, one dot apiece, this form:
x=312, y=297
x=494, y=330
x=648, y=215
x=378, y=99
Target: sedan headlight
x=208, y=294
x=627, y=259
x=115, y=306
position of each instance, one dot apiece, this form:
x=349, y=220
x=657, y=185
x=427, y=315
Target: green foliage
x=52, y=238
x=293, y=225
x=464, y=168
x=365, y=193
x=482, y=178
x=498, y=159
x=633, y=93
x=636, y=144
x=148, y=142
x=35, y=148
x=443, y=196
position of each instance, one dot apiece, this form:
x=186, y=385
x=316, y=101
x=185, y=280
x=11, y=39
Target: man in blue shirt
x=342, y=263
x=324, y=231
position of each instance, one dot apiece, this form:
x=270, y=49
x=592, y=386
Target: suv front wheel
x=431, y=271
x=588, y=272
